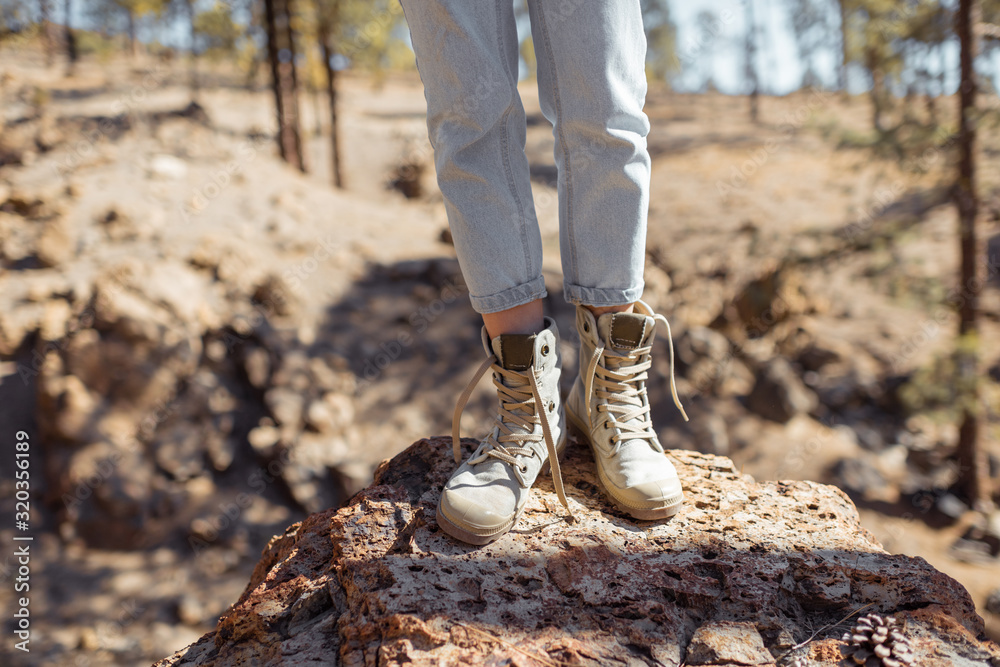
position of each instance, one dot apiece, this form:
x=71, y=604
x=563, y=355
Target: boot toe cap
x=473, y=516
x=652, y=495
x=660, y=492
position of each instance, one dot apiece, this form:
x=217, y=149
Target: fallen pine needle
x=828, y=625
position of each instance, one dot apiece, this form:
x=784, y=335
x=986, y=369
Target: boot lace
x=620, y=382
x=521, y=406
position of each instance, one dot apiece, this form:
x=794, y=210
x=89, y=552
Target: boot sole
x=576, y=428
x=459, y=533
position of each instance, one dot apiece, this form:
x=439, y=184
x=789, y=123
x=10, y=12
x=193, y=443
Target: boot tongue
x=515, y=351
x=625, y=331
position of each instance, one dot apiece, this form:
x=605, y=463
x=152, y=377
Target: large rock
x=742, y=574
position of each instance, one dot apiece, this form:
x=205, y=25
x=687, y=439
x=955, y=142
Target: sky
x=720, y=57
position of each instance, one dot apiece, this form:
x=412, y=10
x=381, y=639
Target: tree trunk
x=131, y=31
x=973, y=481
x=292, y=87
x=751, y=67
x=325, y=32
x=193, y=74
x=842, y=70
x=71, y=54
x=46, y=23
x=878, y=86
x=283, y=81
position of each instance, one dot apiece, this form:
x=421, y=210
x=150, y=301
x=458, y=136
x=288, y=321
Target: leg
x=467, y=55
x=591, y=80
x=526, y=319
x=592, y=86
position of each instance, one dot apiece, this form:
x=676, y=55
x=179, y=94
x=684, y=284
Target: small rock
x=73, y=417
x=861, y=477
x=118, y=226
x=286, y=405
x=993, y=602
x=341, y=407
x=815, y=356
x=274, y=297
x=167, y=167
x=179, y=451
x=869, y=437
x=321, y=417
x=970, y=551
x=727, y=642
x=190, y=611
x=779, y=394
x=48, y=135
x=257, y=364
x=406, y=178
x=57, y=242
x=264, y=438
x=713, y=436
x=949, y=505
x=55, y=320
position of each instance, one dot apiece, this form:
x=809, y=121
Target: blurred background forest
x=227, y=288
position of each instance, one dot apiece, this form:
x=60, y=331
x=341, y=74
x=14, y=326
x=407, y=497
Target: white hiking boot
x=609, y=408
x=487, y=493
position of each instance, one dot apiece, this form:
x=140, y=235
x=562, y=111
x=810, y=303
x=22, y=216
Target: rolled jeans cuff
x=601, y=296
x=509, y=298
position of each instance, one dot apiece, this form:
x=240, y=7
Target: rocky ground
x=747, y=573
x=206, y=345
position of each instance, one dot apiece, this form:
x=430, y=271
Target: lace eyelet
x=523, y=469
x=586, y=327
x=545, y=350
x=552, y=406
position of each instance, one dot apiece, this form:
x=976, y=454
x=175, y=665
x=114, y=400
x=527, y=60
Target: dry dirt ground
x=768, y=241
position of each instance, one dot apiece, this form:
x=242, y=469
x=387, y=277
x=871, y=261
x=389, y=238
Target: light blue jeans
x=592, y=87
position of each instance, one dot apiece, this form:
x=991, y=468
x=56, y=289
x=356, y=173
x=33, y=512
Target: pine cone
x=877, y=642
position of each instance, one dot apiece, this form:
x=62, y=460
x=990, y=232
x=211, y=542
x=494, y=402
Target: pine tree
x=661, y=39
x=327, y=13
x=284, y=82
x=973, y=470
x=751, y=61
x=71, y=52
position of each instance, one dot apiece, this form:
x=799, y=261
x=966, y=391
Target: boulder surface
x=747, y=573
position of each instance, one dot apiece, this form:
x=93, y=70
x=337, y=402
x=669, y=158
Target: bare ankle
x=523, y=319
x=600, y=310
